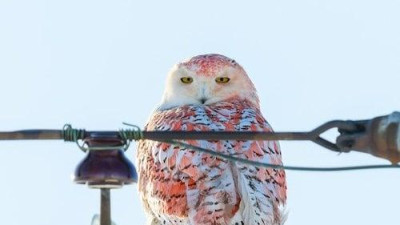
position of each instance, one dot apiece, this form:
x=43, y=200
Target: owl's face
x=207, y=79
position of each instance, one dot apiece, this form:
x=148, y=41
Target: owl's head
x=207, y=79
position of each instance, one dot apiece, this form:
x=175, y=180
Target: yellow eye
x=187, y=80
x=222, y=80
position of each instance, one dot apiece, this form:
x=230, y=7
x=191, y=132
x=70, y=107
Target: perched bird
x=179, y=186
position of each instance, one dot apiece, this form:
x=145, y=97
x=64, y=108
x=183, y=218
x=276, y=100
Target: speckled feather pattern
x=179, y=186
x=208, y=65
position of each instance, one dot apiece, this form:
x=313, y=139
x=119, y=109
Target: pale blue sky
x=98, y=63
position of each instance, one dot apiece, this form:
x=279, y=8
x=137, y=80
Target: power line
x=273, y=166
x=379, y=136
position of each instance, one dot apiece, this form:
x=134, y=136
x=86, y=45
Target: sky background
x=95, y=64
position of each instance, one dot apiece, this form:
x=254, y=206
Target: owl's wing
x=262, y=190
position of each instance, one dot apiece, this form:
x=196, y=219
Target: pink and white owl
x=179, y=186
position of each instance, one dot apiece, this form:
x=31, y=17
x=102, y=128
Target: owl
x=180, y=186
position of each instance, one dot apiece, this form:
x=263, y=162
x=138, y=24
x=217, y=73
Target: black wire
x=267, y=165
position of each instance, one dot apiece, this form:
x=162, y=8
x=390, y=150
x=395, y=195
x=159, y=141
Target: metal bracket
x=379, y=136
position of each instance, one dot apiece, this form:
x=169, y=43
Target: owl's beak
x=203, y=100
x=204, y=91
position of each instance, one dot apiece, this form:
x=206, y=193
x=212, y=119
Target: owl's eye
x=187, y=80
x=222, y=80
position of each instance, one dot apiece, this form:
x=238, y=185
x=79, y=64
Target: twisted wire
x=74, y=135
x=71, y=134
x=131, y=134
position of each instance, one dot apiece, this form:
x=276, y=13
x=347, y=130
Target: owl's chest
x=205, y=118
